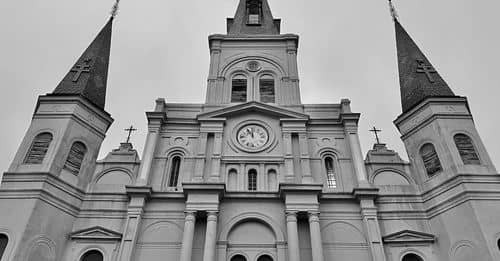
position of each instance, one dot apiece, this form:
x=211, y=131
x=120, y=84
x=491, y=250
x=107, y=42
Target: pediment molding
x=409, y=237
x=96, y=233
x=281, y=113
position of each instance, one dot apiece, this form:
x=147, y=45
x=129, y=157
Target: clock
x=252, y=136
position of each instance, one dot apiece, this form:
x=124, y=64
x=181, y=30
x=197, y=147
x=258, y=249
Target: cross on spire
x=376, y=131
x=81, y=68
x=130, y=130
x=427, y=69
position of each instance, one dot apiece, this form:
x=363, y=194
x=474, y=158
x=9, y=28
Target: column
x=293, y=236
x=187, y=238
x=200, y=158
x=357, y=157
x=316, y=242
x=210, y=237
x=148, y=156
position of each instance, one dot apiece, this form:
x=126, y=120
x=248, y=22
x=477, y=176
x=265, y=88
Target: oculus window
x=239, y=89
x=267, y=89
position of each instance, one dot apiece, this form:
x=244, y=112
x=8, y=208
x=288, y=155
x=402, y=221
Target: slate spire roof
x=241, y=25
x=419, y=80
x=88, y=77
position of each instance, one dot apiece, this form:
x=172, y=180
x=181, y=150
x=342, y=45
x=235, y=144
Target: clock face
x=252, y=136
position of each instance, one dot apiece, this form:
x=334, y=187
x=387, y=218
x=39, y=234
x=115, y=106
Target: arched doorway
x=265, y=258
x=412, y=257
x=238, y=258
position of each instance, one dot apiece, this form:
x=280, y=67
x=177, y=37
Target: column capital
x=291, y=216
x=313, y=216
x=212, y=216
x=190, y=215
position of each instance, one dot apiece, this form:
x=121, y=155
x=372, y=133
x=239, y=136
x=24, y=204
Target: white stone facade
x=313, y=197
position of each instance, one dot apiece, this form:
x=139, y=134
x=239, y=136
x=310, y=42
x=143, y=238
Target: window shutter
x=430, y=159
x=38, y=149
x=75, y=157
x=466, y=150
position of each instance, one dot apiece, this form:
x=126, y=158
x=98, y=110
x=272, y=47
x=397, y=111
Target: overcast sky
x=160, y=49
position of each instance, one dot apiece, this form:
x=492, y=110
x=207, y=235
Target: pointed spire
x=253, y=17
x=419, y=80
x=88, y=77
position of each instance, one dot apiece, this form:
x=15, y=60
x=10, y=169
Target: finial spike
x=394, y=13
x=114, y=10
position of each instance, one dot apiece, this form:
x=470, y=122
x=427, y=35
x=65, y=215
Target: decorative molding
x=96, y=233
x=409, y=237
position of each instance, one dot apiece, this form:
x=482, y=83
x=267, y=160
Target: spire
x=253, y=17
x=418, y=78
x=88, y=77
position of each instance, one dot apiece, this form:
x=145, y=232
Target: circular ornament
x=253, y=66
x=252, y=137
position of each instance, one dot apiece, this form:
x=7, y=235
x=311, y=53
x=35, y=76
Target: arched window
x=412, y=257
x=239, y=89
x=252, y=180
x=267, y=90
x=75, y=157
x=466, y=149
x=430, y=158
x=175, y=167
x=254, y=10
x=4, y=240
x=331, y=181
x=92, y=255
x=265, y=258
x=498, y=244
x=39, y=148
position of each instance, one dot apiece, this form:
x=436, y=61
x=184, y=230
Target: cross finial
x=130, y=130
x=394, y=13
x=376, y=131
x=114, y=10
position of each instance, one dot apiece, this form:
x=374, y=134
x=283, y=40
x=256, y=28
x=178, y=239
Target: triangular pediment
x=96, y=233
x=253, y=107
x=409, y=236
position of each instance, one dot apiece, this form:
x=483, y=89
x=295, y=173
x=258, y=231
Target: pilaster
x=366, y=197
x=138, y=197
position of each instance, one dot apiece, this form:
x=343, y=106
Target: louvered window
x=38, y=149
x=252, y=180
x=466, y=149
x=431, y=160
x=75, y=157
x=267, y=90
x=92, y=255
x=330, y=173
x=254, y=10
x=239, y=89
x=174, y=171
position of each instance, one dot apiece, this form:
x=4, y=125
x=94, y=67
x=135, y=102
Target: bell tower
x=57, y=157
x=437, y=126
x=253, y=61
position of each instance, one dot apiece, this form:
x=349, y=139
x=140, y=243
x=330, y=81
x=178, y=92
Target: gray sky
x=160, y=49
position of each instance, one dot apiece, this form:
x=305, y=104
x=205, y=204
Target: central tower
x=253, y=61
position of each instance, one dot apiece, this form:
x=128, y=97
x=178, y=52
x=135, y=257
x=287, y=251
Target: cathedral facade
x=252, y=174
